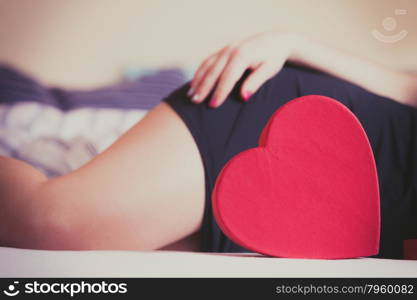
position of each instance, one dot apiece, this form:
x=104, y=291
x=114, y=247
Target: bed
x=40, y=263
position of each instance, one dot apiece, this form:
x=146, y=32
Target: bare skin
x=266, y=53
x=147, y=190
x=144, y=192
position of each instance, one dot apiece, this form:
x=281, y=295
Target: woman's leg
x=144, y=192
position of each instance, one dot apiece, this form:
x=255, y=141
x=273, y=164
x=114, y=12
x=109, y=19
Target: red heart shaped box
x=310, y=190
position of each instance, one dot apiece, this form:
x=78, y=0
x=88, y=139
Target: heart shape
x=310, y=190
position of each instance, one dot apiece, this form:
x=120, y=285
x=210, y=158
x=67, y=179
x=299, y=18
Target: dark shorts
x=235, y=126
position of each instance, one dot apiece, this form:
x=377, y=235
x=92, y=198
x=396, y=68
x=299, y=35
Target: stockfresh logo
x=71, y=288
x=12, y=290
x=390, y=25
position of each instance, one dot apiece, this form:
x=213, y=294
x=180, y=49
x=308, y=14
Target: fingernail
x=247, y=95
x=213, y=103
x=190, y=92
x=195, y=98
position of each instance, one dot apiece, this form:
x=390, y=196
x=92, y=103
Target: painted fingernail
x=247, y=95
x=213, y=103
x=195, y=98
x=190, y=92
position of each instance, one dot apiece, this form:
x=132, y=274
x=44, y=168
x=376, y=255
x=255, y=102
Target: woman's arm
x=265, y=55
x=376, y=78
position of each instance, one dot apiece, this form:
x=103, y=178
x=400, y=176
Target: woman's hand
x=264, y=54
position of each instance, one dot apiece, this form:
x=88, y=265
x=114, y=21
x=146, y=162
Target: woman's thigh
x=144, y=192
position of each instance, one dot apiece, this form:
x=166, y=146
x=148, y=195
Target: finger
x=199, y=74
x=208, y=81
x=231, y=74
x=254, y=81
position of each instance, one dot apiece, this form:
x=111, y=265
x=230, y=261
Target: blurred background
x=87, y=43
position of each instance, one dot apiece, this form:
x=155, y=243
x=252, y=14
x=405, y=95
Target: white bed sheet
x=39, y=263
